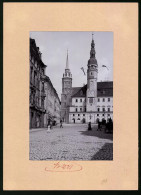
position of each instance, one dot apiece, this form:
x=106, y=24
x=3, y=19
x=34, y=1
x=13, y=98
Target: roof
x=34, y=50
x=49, y=81
x=105, y=84
x=104, y=89
x=81, y=92
x=75, y=90
x=92, y=61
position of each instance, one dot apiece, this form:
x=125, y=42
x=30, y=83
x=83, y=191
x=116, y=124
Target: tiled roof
x=106, y=84
x=104, y=89
x=81, y=92
x=75, y=90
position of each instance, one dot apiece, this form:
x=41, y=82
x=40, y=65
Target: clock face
x=91, y=93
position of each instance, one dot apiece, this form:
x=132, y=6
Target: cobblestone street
x=73, y=142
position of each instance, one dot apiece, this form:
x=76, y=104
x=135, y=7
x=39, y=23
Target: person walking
x=48, y=122
x=61, y=123
x=48, y=125
x=89, y=126
x=51, y=124
x=99, y=126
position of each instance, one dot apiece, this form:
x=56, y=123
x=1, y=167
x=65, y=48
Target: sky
x=54, y=45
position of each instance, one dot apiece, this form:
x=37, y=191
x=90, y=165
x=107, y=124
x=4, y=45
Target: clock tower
x=92, y=70
x=66, y=92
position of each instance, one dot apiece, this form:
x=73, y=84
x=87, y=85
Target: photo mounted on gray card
x=71, y=96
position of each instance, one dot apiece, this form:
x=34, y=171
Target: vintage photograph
x=71, y=95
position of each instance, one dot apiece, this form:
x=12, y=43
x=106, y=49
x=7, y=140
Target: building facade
x=37, y=91
x=89, y=103
x=52, y=103
x=44, y=100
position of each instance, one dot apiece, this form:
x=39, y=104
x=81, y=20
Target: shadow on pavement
x=100, y=134
x=105, y=153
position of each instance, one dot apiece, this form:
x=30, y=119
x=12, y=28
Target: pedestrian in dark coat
x=89, y=126
x=48, y=122
x=51, y=124
x=61, y=123
x=99, y=126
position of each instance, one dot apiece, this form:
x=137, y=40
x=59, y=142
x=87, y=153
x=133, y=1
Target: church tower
x=92, y=71
x=66, y=92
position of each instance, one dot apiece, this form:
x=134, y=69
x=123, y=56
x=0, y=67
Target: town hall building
x=90, y=103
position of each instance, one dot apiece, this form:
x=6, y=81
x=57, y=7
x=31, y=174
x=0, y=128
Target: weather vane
x=92, y=35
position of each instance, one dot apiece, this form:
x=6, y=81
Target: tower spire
x=92, y=60
x=67, y=61
x=92, y=52
x=92, y=35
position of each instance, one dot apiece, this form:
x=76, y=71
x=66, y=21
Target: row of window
x=76, y=100
x=78, y=114
x=98, y=109
x=103, y=109
x=84, y=115
x=103, y=114
x=76, y=109
x=103, y=100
